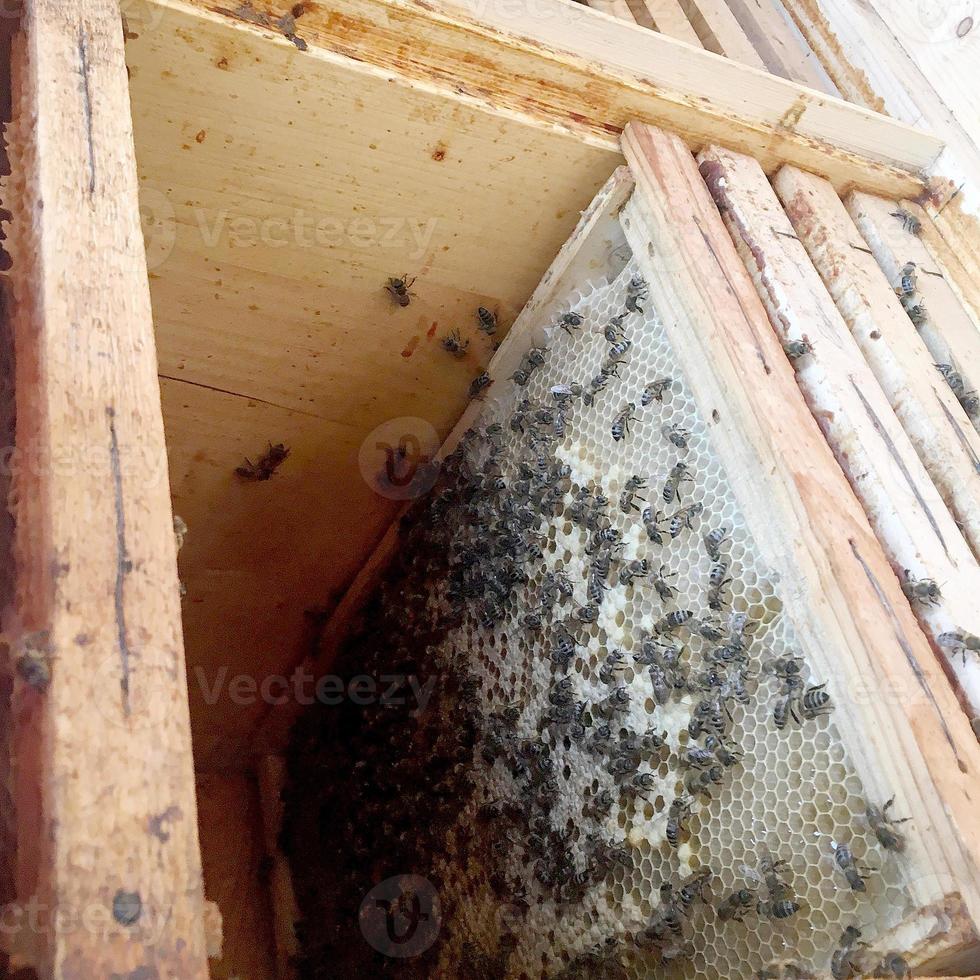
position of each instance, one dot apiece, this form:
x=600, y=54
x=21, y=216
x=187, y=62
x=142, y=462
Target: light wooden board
x=107, y=828
x=939, y=428
x=538, y=60
x=779, y=44
x=583, y=252
x=236, y=875
x=719, y=31
x=846, y=605
x=950, y=331
x=906, y=511
x=668, y=17
x=300, y=343
x=614, y=8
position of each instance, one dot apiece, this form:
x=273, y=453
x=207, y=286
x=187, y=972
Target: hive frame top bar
x=556, y=62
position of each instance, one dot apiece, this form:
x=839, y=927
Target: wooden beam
x=949, y=331
x=107, y=819
x=906, y=511
x=931, y=415
x=285, y=912
x=538, y=61
x=781, y=47
x=719, y=31
x=614, y=8
x=668, y=17
x=850, y=617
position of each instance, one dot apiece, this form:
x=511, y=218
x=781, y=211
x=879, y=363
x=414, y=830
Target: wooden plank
x=719, y=31
x=106, y=807
x=933, y=418
x=906, y=511
x=236, y=875
x=582, y=252
x=614, y=8
x=536, y=61
x=271, y=770
x=668, y=17
x=779, y=44
x=846, y=605
x=949, y=330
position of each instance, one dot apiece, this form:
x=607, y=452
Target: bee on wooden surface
x=655, y=391
x=636, y=292
x=664, y=589
x=844, y=963
x=910, y=222
x=907, y=280
x=454, y=344
x=266, y=466
x=924, y=590
x=953, y=378
x=680, y=810
x=844, y=859
x=883, y=826
x=893, y=964
x=651, y=523
x=970, y=403
x=629, y=495
x=33, y=659
x=570, y=321
x=676, y=435
x=959, y=641
x=486, y=321
x=673, y=621
x=713, y=541
x=621, y=423
x=398, y=287
x=916, y=310
x=637, y=568
x=795, y=349
x=679, y=473
x=479, y=384
x=735, y=906
x=683, y=518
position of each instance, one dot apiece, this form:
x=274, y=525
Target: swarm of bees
x=481, y=786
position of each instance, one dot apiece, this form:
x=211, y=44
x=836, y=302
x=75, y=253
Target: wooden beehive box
x=206, y=206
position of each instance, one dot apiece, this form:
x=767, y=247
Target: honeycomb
x=792, y=796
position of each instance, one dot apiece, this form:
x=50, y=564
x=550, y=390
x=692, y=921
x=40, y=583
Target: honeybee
x=844, y=859
x=672, y=488
x=629, y=496
x=683, y=518
x=621, y=423
x=906, y=280
x=843, y=964
x=399, y=289
x=909, y=221
x=713, y=541
x=614, y=662
x=735, y=906
x=673, y=621
x=664, y=589
x=916, y=310
x=570, y=321
x=795, y=349
x=959, y=641
x=266, y=466
x=676, y=435
x=924, y=590
x=884, y=826
x=651, y=523
x=636, y=292
x=479, y=384
x=893, y=965
x=655, y=391
x=486, y=321
x=454, y=344
x=680, y=810
x=782, y=908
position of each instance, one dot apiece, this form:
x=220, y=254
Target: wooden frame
x=106, y=813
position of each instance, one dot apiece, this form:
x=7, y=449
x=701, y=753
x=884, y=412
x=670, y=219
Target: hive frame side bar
x=107, y=820
x=537, y=61
x=908, y=514
x=576, y=258
x=906, y=734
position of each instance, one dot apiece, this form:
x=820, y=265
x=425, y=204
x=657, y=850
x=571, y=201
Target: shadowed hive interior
x=533, y=785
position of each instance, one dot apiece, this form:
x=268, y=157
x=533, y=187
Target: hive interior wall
x=510, y=904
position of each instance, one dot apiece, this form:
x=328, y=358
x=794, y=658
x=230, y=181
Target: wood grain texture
x=107, y=823
x=536, y=61
x=236, y=875
x=906, y=511
x=950, y=330
x=668, y=17
x=850, y=616
x=935, y=421
x=720, y=32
